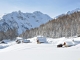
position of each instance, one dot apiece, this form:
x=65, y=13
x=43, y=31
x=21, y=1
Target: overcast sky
x=50, y=7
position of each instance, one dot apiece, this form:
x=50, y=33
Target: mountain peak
x=75, y=10
x=37, y=12
x=23, y=21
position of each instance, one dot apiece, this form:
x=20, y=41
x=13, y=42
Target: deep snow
x=44, y=51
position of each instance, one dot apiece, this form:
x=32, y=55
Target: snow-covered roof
x=19, y=38
x=40, y=38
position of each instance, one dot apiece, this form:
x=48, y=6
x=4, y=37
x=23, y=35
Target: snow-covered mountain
x=75, y=10
x=68, y=13
x=22, y=21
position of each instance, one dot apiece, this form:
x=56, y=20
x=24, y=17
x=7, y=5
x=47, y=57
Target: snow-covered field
x=43, y=51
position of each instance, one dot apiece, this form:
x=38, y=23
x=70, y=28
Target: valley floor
x=44, y=51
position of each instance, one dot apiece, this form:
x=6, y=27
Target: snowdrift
x=68, y=41
x=11, y=50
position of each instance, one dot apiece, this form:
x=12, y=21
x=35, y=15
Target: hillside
x=66, y=25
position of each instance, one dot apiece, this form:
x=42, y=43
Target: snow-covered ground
x=43, y=51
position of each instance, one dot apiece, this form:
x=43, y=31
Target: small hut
x=38, y=40
x=19, y=40
x=66, y=44
x=41, y=39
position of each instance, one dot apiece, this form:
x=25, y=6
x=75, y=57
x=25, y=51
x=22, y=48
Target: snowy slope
x=23, y=21
x=39, y=52
x=45, y=51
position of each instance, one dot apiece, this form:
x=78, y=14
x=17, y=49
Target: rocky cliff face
x=15, y=23
x=66, y=25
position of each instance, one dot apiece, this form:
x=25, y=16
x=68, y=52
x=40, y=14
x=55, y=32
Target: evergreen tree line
x=64, y=26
